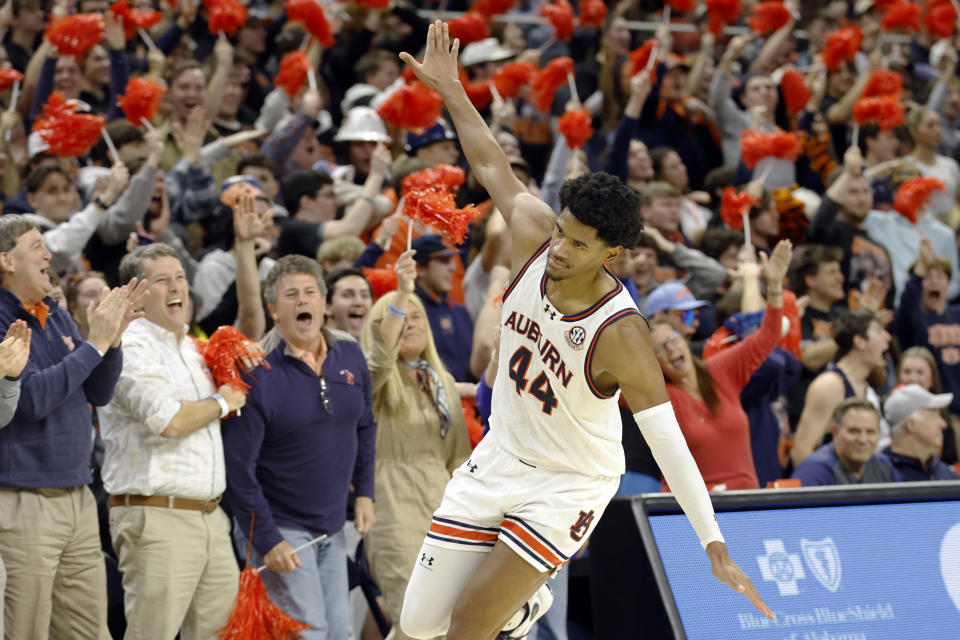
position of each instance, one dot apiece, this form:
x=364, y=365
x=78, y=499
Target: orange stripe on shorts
x=531, y=542
x=480, y=536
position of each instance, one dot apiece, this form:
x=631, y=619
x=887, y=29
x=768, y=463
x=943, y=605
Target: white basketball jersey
x=546, y=410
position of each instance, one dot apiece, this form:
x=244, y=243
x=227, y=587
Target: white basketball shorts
x=544, y=516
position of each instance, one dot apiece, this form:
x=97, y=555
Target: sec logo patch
x=576, y=337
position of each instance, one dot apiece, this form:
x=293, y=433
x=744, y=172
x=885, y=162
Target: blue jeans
x=633, y=482
x=553, y=624
x=317, y=592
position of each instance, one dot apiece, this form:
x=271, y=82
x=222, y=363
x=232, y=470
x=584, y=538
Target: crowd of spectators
x=281, y=216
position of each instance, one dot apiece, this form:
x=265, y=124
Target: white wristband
x=224, y=407
x=661, y=430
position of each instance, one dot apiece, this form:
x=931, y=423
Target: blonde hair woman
x=421, y=435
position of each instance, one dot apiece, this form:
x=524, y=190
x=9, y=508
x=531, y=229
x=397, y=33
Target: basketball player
x=571, y=341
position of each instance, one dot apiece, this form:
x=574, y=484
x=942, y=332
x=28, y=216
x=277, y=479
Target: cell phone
x=143, y=238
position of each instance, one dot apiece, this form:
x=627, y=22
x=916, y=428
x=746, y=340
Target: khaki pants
x=56, y=580
x=179, y=571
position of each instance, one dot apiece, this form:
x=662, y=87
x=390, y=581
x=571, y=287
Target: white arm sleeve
x=661, y=430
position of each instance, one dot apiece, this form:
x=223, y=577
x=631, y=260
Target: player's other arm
x=531, y=221
x=637, y=373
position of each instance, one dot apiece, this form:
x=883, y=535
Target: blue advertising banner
x=864, y=572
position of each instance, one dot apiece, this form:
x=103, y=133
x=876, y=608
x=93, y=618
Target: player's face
x=856, y=437
x=672, y=351
x=575, y=248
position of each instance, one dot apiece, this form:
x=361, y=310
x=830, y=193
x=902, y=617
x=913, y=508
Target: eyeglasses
x=686, y=317
x=660, y=350
x=324, y=400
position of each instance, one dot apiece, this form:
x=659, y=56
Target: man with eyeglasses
x=674, y=303
x=306, y=434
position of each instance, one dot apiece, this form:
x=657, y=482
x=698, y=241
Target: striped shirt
x=158, y=374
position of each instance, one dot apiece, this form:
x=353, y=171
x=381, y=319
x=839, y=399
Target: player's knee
x=420, y=620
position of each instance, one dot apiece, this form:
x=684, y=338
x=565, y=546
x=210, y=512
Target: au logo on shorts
x=576, y=337
x=579, y=528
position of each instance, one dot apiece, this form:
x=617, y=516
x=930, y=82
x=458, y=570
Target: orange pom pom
x=225, y=15
x=490, y=8
x=471, y=27
x=886, y=111
x=683, y=6
x=254, y=616
x=576, y=127
x=796, y=94
x=593, y=13
x=560, y=15
x=883, y=82
x=294, y=68
x=755, y=146
x=443, y=177
x=134, y=19
x=913, y=194
x=381, y=280
x=141, y=99
x=75, y=35
x=734, y=205
x=8, y=77
x=640, y=58
x=67, y=133
x=478, y=93
x=409, y=76
x=510, y=77
x=310, y=13
x=413, y=106
x=223, y=353
x=940, y=18
x=373, y=4
x=549, y=79
x=841, y=45
x=902, y=15
x=438, y=210
x=768, y=16
x=722, y=12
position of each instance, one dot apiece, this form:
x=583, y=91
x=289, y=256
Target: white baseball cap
x=486, y=50
x=906, y=400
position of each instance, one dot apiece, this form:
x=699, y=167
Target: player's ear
x=612, y=253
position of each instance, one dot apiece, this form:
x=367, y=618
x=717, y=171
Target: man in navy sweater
x=49, y=533
x=306, y=434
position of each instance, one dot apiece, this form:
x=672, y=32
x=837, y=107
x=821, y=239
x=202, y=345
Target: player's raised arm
x=487, y=161
x=635, y=370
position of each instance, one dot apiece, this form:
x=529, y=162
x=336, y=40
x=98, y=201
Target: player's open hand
x=726, y=571
x=440, y=59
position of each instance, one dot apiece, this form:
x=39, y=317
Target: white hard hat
x=362, y=124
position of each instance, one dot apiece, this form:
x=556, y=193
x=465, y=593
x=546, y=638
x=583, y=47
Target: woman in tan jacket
x=421, y=435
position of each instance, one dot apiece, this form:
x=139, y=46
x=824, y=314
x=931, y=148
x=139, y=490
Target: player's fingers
x=751, y=592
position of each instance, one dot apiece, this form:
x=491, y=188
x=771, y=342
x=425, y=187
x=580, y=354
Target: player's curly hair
x=602, y=201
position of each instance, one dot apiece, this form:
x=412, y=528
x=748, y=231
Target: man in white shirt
x=164, y=466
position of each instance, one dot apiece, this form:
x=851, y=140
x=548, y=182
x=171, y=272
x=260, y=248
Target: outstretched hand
x=775, y=267
x=726, y=571
x=440, y=60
